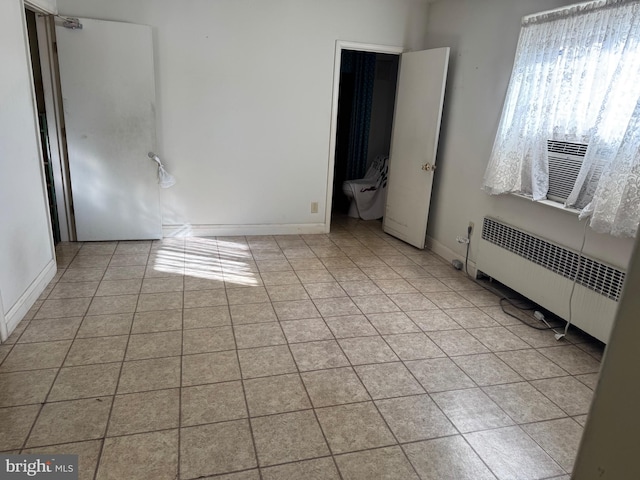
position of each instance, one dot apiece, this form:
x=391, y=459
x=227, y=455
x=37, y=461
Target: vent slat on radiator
x=592, y=274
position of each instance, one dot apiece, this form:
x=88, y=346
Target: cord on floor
x=506, y=299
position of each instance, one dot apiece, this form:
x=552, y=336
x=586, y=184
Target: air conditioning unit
x=565, y=162
x=544, y=272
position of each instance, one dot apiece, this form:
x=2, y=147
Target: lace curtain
x=576, y=78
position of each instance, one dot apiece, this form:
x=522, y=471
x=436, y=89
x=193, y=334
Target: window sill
x=550, y=203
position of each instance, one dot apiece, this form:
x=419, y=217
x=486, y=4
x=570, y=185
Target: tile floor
x=349, y=355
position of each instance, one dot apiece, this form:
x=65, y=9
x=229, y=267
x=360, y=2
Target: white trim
x=233, y=230
x=38, y=8
x=55, y=121
x=4, y=331
x=343, y=45
x=36, y=126
x=449, y=255
x=29, y=297
x=550, y=203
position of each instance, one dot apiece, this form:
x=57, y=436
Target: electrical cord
x=508, y=300
x=575, y=281
x=466, y=258
x=520, y=319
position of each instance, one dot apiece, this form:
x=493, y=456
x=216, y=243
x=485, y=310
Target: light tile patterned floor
x=349, y=355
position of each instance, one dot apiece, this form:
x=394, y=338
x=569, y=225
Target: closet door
x=108, y=90
x=414, y=143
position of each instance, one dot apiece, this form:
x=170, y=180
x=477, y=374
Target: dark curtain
x=362, y=67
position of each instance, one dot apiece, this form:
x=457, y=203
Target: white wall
x=26, y=247
x=483, y=35
x=244, y=97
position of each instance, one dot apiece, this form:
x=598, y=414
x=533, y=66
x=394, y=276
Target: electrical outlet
x=314, y=207
x=471, y=227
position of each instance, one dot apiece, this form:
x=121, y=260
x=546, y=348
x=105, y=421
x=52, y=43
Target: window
x=570, y=126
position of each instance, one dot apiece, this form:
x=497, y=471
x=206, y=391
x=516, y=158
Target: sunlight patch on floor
x=209, y=258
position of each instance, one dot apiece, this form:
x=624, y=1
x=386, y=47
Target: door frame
x=45, y=33
x=55, y=123
x=340, y=46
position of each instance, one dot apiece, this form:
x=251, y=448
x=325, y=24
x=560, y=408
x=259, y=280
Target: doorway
x=48, y=100
x=364, y=89
x=365, y=116
x=36, y=68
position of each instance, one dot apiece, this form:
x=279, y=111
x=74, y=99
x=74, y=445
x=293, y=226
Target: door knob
x=428, y=167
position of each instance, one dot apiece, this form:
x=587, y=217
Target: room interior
x=249, y=87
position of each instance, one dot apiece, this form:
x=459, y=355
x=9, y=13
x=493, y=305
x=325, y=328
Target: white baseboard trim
x=4, y=331
x=18, y=311
x=449, y=255
x=232, y=230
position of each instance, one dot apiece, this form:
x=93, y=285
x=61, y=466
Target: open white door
x=414, y=143
x=108, y=90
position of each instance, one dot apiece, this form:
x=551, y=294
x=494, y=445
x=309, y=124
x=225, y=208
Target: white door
x=108, y=91
x=414, y=143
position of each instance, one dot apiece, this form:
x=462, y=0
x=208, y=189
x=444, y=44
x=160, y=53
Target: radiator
x=544, y=272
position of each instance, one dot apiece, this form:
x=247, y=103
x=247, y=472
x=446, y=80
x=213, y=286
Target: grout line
x=304, y=386
x=180, y=386
x=244, y=391
x=59, y=369
x=115, y=392
x=362, y=237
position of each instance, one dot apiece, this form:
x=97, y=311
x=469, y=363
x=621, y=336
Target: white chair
x=368, y=195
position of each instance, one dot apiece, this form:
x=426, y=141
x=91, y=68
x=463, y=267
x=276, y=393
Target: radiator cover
x=544, y=272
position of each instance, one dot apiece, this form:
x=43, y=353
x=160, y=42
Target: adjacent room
x=288, y=239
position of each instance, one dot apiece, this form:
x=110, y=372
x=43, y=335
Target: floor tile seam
x=246, y=402
x=484, y=462
x=599, y=360
x=557, y=363
x=144, y=432
x=11, y=347
x=113, y=398
x=180, y=387
x=566, y=374
x=581, y=381
x=371, y=399
x=293, y=462
x=530, y=438
x=315, y=415
x=491, y=353
x=515, y=421
x=458, y=354
x=24, y=329
x=494, y=350
x=333, y=457
x=418, y=329
x=555, y=403
x=425, y=390
x=330, y=316
x=450, y=435
x=55, y=379
x=551, y=420
x=32, y=343
x=389, y=429
x=98, y=439
x=275, y=414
